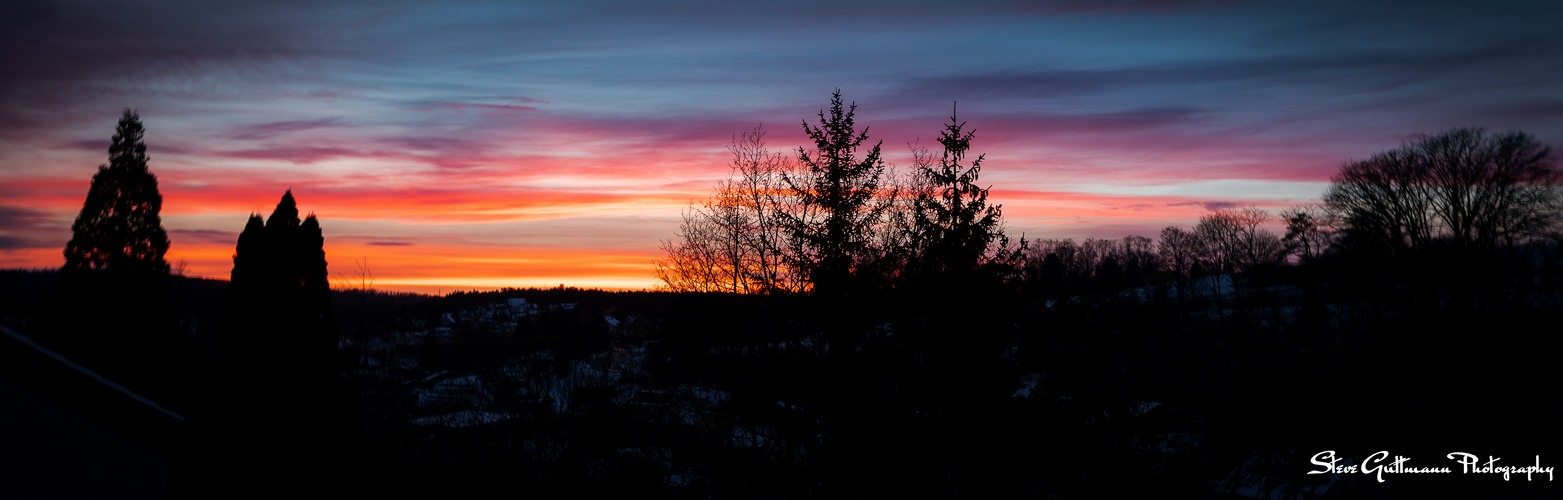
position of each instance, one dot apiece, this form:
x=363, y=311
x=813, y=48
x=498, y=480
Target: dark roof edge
x=94, y=375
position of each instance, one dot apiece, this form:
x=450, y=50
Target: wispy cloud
x=269, y=130
x=22, y=228
x=1066, y=7
x=1209, y=205
x=492, y=109
x=203, y=236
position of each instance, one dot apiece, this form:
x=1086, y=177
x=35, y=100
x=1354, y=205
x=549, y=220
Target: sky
x=476, y=145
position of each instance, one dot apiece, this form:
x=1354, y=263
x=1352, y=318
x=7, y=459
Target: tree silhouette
x=278, y=356
x=830, y=233
x=1139, y=259
x=1309, y=231
x=117, y=251
x=119, y=228
x=279, y=283
x=1256, y=247
x=953, y=221
x=734, y=242
x=1180, y=252
x=1235, y=242
x=1466, y=187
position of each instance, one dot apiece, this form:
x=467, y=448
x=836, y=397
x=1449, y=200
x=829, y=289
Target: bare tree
x=694, y=260
x=1383, y=203
x=1219, y=230
x=1467, y=187
x=1490, y=190
x=1180, y=253
x=759, y=182
x=1257, y=246
x=359, y=282
x=1139, y=258
x=1235, y=241
x=734, y=241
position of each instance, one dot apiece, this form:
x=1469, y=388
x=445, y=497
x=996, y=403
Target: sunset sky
x=481, y=145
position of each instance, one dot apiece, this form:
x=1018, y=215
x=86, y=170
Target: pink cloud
x=493, y=109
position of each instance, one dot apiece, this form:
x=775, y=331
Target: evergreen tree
x=954, y=222
x=836, y=189
x=279, y=281
x=117, y=251
x=119, y=228
x=279, y=357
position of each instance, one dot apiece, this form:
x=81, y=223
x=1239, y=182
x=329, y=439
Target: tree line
x=833, y=219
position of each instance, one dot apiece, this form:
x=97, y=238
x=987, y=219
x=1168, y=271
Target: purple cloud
x=204, y=236
x=273, y=129
x=1208, y=205
x=26, y=228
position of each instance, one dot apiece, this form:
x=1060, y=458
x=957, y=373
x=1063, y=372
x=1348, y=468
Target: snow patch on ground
x=1028, y=383
x=466, y=418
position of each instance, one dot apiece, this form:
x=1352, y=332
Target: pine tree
x=954, y=223
x=119, y=228
x=831, y=235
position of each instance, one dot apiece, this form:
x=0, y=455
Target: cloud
x=300, y=154
x=63, y=59
x=204, y=236
x=1066, y=7
x=96, y=145
x=437, y=144
x=493, y=109
x=273, y=129
x=101, y=146
x=525, y=99
x=27, y=228
x=389, y=243
x=1210, y=205
x=1326, y=94
x=11, y=242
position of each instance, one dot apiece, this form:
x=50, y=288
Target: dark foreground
x=1161, y=390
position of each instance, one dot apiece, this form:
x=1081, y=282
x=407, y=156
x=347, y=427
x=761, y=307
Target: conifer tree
x=280, y=352
x=954, y=222
x=279, y=281
x=836, y=189
x=119, y=228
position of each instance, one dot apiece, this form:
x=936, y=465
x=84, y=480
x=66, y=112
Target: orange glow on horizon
x=426, y=264
x=426, y=268
x=495, y=221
